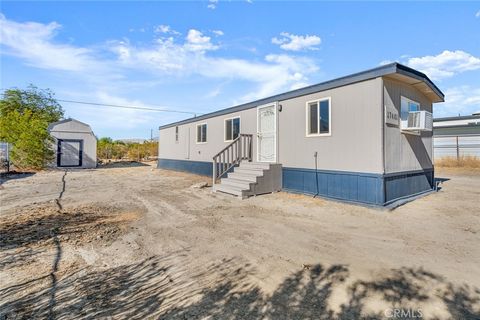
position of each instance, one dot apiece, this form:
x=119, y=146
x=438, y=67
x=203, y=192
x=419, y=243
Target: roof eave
x=407, y=71
x=381, y=71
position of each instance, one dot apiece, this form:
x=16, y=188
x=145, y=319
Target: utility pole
x=151, y=134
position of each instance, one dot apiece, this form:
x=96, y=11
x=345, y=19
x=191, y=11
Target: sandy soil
x=136, y=242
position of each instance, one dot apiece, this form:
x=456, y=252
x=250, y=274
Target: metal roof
x=473, y=116
x=53, y=124
x=392, y=68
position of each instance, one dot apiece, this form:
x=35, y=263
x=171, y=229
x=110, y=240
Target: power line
x=124, y=107
x=128, y=107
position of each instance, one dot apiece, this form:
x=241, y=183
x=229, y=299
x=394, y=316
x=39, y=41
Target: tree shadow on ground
x=26, y=236
x=14, y=175
x=19, y=257
x=121, y=164
x=39, y=224
x=168, y=288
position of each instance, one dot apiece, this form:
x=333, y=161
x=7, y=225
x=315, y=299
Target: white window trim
x=196, y=133
x=225, y=127
x=413, y=133
x=307, y=118
x=275, y=105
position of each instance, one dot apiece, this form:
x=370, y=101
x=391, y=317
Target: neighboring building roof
x=385, y=70
x=457, y=121
x=469, y=129
x=472, y=117
x=54, y=124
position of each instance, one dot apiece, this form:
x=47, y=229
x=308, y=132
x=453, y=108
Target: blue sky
x=207, y=55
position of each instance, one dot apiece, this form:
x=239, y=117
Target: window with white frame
x=318, y=117
x=232, y=128
x=202, y=133
x=176, y=134
x=408, y=105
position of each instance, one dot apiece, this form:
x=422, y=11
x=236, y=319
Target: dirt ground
x=135, y=242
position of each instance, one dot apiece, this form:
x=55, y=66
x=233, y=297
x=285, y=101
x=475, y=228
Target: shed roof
x=394, y=70
x=54, y=124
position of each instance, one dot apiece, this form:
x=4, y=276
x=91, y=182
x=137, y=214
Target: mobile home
x=365, y=138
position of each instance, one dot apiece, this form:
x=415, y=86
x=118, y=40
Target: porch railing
x=240, y=149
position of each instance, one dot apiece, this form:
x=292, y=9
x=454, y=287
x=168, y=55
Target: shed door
x=69, y=153
x=267, y=133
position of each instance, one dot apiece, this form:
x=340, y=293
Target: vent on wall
x=418, y=121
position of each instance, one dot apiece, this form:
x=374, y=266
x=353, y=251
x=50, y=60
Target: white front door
x=267, y=133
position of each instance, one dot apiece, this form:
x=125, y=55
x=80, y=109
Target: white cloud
x=196, y=41
x=162, y=28
x=296, y=43
x=167, y=56
x=214, y=93
x=384, y=62
x=128, y=118
x=119, y=121
x=218, y=32
x=463, y=100
x=212, y=4
x=34, y=42
x=165, y=29
x=477, y=15
x=275, y=73
x=445, y=64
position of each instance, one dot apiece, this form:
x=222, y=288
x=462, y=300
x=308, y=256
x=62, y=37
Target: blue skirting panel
x=197, y=167
x=350, y=186
x=404, y=184
x=368, y=188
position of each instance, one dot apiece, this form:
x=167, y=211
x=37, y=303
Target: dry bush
x=462, y=162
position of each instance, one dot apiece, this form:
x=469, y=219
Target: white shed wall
x=77, y=131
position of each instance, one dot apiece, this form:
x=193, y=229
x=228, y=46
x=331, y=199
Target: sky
x=207, y=55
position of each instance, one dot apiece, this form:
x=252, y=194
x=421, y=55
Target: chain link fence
x=456, y=146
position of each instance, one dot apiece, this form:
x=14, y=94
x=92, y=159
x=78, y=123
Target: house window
x=407, y=106
x=318, y=117
x=176, y=134
x=202, y=133
x=232, y=128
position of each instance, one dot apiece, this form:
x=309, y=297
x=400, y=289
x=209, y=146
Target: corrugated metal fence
x=456, y=146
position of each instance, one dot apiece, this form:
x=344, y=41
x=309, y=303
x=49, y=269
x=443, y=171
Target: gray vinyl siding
x=355, y=143
x=356, y=130
x=406, y=152
x=188, y=149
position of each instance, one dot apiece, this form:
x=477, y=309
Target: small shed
x=75, y=144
